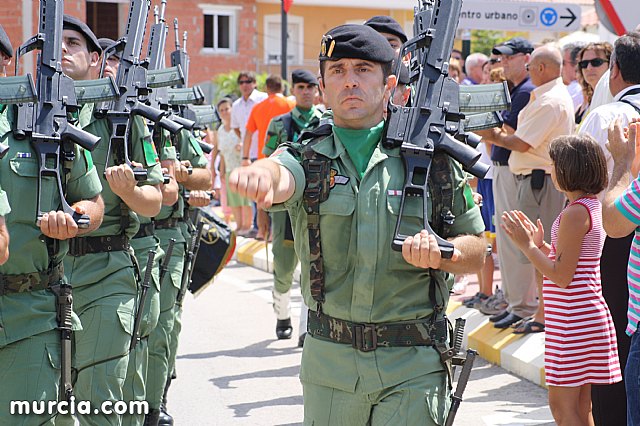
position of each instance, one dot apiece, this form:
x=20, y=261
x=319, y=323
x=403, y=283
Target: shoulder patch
x=195, y=145
x=88, y=158
x=150, y=153
x=337, y=179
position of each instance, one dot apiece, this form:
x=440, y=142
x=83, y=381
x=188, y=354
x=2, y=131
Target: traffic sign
x=519, y=16
x=619, y=16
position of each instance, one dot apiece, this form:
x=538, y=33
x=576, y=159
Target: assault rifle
x=195, y=231
x=160, y=77
x=43, y=118
x=133, y=88
x=435, y=120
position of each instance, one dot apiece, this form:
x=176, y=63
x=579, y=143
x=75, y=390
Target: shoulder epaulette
x=318, y=132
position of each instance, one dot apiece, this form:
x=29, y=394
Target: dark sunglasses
x=594, y=63
x=245, y=82
x=494, y=60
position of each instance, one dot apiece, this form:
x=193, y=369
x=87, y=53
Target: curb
x=522, y=355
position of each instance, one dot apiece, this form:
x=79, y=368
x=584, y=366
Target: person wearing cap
x=513, y=56
x=30, y=348
x=288, y=127
x=548, y=114
x=6, y=52
x=112, y=62
x=390, y=29
x=351, y=278
x=101, y=266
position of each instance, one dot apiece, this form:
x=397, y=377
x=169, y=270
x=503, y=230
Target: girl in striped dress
x=580, y=339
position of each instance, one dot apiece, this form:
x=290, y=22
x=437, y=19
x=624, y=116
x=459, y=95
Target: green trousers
x=30, y=372
x=284, y=255
x=104, y=296
x=420, y=401
x=134, y=388
x=159, y=339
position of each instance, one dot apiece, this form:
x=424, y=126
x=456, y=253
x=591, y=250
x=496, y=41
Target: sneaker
x=494, y=305
x=471, y=302
x=460, y=285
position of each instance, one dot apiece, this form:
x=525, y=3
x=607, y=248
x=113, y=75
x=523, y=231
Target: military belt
x=80, y=246
x=366, y=337
x=171, y=222
x=33, y=281
x=146, y=230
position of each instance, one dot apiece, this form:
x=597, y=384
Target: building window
x=273, y=39
x=220, y=31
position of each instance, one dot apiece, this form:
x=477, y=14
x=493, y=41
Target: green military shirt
x=187, y=149
x=365, y=280
x=30, y=313
x=142, y=151
x=301, y=121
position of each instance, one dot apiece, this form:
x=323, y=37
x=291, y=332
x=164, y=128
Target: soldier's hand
x=422, y=251
x=121, y=179
x=182, y=171
x=255, y=183
x=199, y=198
x=59, y=225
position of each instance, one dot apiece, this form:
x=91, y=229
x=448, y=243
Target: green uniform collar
x=360, y=144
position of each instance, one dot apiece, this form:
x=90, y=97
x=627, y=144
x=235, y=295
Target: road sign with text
x=519, y=16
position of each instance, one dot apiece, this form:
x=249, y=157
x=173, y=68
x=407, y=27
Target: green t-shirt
x=359, y=144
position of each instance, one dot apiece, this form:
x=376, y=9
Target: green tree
x=483, y=40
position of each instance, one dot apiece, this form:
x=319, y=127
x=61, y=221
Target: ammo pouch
x=79, y=246
x=537, y=179
x=33, y=281
x=367, y=337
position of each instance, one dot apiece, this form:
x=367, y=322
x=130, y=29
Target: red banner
x=287, y=5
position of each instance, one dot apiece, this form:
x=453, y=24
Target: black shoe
x=507, y=321
x=284, y=329
x=497, y=317
x=164, y=419
x=301, y=340
x=151, y=419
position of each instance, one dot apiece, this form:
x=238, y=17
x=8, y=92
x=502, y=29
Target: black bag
x=217, y=244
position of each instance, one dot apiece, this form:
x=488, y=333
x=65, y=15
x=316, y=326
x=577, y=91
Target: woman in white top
x=229, y=148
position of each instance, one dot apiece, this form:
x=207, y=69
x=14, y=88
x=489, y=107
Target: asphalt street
x=232, y=370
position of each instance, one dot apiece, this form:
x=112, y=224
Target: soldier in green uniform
x=169, y=223
x=102, y=266
x=369, y=356
x=30, y=349
x=288, y=127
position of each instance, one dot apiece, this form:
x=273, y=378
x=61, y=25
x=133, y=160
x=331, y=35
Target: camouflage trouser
x=159, y=339
x=134, y=388
x=423, y=400
x=284, y=255
x=30, y=372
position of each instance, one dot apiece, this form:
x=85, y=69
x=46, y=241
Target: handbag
x=217, y=244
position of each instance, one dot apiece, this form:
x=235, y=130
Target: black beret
x=105, y=42
x=5, y=43
x=386, y=24
x=303, y=76
x=356, y=42
x=73, y=23
x=512, y=47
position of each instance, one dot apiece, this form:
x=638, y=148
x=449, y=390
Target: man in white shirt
x=569, y=57
x=609, y=402
x=242, y=108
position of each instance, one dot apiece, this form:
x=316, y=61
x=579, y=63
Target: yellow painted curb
x=452, y=306
x=247, y=251
x=543, y=379
x=489, y=341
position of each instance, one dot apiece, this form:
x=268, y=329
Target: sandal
x=529, y=327
x=521, y=322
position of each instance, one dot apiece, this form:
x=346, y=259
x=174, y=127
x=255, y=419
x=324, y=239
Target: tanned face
x=305, y=94
x=77, y=61
x=356, y=91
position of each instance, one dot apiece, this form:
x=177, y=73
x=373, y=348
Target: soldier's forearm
x=4, y=241
x=246, y=144
x=144, y=200
x=94, y=208
x=170, y=192
x=200, y=179
x=473, y=249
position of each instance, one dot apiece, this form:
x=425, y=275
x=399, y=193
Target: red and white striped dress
x=580, y=339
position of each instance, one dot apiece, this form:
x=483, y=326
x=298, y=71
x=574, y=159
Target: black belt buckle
x=365, y=338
